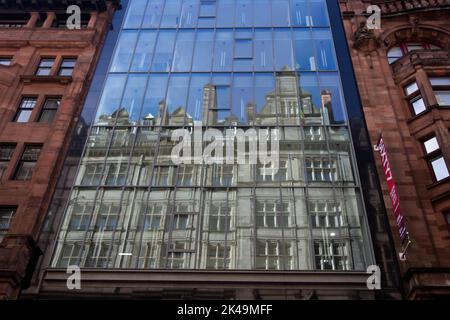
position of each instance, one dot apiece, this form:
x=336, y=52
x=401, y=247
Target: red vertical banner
x=393, y=194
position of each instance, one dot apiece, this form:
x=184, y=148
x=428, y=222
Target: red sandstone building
x=45, y=71
x=403, y=75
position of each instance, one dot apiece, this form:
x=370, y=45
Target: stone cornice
x=400, y=7
x=49, y=5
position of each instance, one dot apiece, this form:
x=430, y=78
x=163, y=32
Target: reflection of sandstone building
x=287, y=102
x=403, y=72
x=45, y=70
x=209, y=216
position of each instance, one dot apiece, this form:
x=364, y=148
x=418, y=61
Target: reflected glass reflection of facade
x=227, y=64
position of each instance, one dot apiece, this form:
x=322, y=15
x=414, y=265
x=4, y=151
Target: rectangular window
x=177, y=255
x=223, y=52
x=27, y=162
x=6, y=152
x=5, y=61
x=412, y=88
x=273, y=255
x=143, y=53
x=161, y=176
x=269, y=173
x=151, y=215
x=244, y=14
x=394, y=54
x=222, y=174
x=314, y=134
x=185, y=175
x=148, y=257
x=243, y=49
x=92, y=174
x=270, y=214
x=117, y=174
x=45, y=66
x=207, y=8
x=321, y=169
x=418, y=105
x=108, y=216
x=162, y=60
x=325, y=214
x=435, y=159
x=180, y=222
x=415, y=99
x=220, y=217
x=49, y=109
x=218, y=256
x=443, y=98
x=331, y=255
x=25, y=109
x=171, y=15
x=81, y=215
x=70, y=254
x=6, y=214
x=441, y=88
x=99, y=255
x=67, y=66
x=440, y=81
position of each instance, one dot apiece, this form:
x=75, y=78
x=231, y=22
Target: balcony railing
x=423, y=57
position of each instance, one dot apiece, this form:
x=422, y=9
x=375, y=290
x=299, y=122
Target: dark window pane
x=171, y=16
x=243, y=49
x=135, y=13
x=280, y=13
x=202, y=53
x=49, y=110
x=124, y=51
x=176, y=96
x=132, y=99
x=153, y=14
x=225, y=13
x=198, y=96
x=283, y=50
x=300, y=13
x=324, y=50
x=263, y=50
x=155, y=98
x=319, y=15
x=261, y=13
x=183, y=51
x=304, y=51
x=111, y=96
x=144, y=51
x=164, y=51
x=244, y=13
x=27, y=163
x=223, y=56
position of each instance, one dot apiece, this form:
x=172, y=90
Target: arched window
x=403, y=48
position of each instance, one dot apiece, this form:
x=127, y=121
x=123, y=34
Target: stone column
x=33, y=19
x=49, y=21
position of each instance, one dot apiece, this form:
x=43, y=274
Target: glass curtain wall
x=233, y=66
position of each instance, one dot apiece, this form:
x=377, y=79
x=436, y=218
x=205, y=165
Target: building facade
x=45, y=71
x=403, y=73
x=237, y=73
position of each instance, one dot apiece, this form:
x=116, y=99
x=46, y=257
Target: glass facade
x=233, y=66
